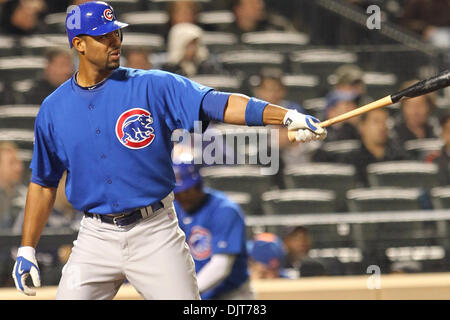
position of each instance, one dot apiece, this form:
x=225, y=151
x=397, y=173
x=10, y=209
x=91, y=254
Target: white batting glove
x=305, y=125
x=25, y=266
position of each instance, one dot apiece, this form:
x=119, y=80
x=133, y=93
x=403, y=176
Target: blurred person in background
x=265, y=254
x=350, y=78
x=187, y=55
x=376, y=146
x=215, y=232
x=182, y=11
x=297, y=262
x=251, y=16
x=339, y=102
x=442, y=157
x=415, y=121
x=23, y=17
x=59, y=68
x=12, y=191
x=137, y=58
x=430, y=19
x=268, y=86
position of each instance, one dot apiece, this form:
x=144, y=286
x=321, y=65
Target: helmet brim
x=104, y=29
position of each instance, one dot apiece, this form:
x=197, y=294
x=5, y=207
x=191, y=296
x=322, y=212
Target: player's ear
x=79, y=44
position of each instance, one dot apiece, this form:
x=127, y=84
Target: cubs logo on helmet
x=108, y=14
x=134, y=130
x=200, y=243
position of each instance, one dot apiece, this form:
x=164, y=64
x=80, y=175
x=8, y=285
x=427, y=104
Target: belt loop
x=146, y=212
x=167, y=201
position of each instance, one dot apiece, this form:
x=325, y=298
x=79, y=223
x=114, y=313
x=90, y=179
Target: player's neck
x=88, y=77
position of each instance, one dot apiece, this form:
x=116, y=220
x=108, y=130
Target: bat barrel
x=437, y=82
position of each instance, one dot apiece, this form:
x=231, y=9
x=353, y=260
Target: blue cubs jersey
x=218, y=227
x=114, y=139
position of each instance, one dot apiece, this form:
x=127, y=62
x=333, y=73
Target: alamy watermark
x=232, y=146
x=374, y=281
x=374, y=20
x=74, y=20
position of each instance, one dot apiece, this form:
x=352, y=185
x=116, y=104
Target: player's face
x=190, y=199
x=259, y=270
x=103, y=51
x=374, y=129
x=415, y=111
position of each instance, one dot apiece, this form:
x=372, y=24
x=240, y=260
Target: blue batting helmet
x=92, y=18
x=187, y=176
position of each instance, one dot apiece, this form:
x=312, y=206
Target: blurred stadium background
x=397, y=217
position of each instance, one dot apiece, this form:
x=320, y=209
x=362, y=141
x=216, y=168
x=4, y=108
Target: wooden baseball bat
x=434, y=83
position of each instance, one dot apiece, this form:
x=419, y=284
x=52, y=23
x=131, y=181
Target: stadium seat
x=18, y=116
x=426, y=258
x=340, y=149
x=315, y=106
x=421, y=148
x=56, y=22
x=440, y=197
x=146, y=21
x=240, y=178
x=328, y=176
x=21, y=67
x=216, y=19
x=321, y=62
x=219, y=82
x=378, y=84
x=219, y=41
x=383, y=199
x=275, y=40
x=298, y=201
x=243, y=199
x=409, y=174
x=300, y=87
x=152, y=42
x=6, y=46
x=250, y=61
x=22, y=137
x=123, y=6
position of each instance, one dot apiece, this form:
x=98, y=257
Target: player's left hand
x=25, y=266
x=306, y=126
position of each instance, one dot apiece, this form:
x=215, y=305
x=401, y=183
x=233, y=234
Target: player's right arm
x=38, y=207
x=47, y=169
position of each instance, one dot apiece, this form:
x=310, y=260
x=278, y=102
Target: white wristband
x=26, y=251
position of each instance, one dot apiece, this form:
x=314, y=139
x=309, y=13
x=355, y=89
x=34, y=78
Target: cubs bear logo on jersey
x=200, y=243
x=134, y=130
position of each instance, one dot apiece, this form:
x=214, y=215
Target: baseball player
x=215, y=232
x=110, y=128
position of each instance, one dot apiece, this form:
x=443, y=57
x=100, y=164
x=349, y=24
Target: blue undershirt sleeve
x=213, y=105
